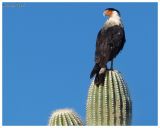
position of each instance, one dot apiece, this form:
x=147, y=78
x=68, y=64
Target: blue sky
x=48, y=53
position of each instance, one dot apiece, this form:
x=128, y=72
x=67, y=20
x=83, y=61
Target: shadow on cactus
x=65, y=117
x=110, y=103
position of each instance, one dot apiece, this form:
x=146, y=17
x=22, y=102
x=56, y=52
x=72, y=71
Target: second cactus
x=109, y=104
x=64, y=117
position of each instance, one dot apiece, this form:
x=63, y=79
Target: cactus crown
x=64, y=117
x=109, y=104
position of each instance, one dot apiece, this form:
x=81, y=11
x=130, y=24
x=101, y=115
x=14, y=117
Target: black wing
x=109, y=43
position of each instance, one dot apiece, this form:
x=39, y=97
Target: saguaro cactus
x=109, y=104
x=64, y=117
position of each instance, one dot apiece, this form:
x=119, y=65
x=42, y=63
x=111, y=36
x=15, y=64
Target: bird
x=110, y=41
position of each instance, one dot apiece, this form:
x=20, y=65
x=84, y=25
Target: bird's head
x=111, y=11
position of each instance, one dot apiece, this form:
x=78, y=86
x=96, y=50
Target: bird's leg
x=106, y=67
x=111, y=64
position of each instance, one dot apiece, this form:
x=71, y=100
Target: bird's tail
x=95, y=70
x=99, y=78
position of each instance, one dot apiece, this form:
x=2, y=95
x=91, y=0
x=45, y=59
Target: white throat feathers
x=114, y=19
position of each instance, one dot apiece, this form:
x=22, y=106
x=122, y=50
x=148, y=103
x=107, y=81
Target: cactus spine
x=64, y=117
x=109, y=104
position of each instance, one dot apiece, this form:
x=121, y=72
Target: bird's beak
x=105, y=13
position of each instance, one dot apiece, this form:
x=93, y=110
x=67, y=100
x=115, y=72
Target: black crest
x=113, y=9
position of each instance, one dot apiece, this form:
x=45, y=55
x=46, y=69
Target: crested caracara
x=110, y=41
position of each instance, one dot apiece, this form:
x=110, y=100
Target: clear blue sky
x=48, y=53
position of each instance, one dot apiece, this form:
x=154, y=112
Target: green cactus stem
x=109, y=104
x=64, y=117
